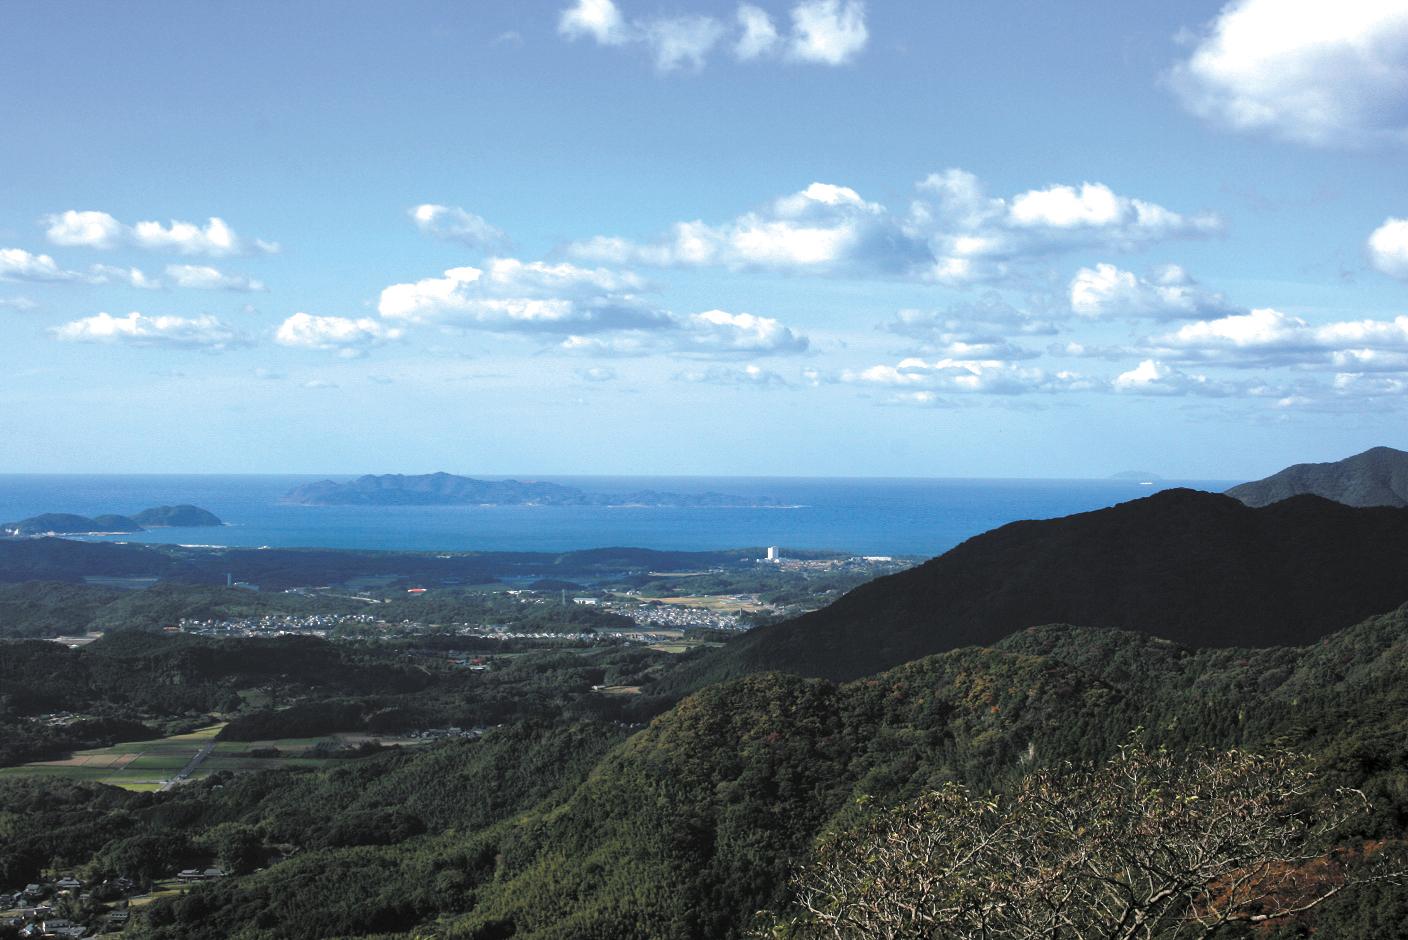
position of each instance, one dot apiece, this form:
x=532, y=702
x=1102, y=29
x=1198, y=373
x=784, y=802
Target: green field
x=146, y=765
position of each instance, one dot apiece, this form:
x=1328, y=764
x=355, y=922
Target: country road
x=190, y=767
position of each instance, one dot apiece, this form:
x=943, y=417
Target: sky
x=783, y=237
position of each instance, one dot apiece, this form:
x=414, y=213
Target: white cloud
x=136, y=329
x=455, y=224
x=597, y=374
x=204, y=277
x=682, y=41
x=1388, y=248
x=985, y=376
x=132, y=277
x=1269, y=337
x=17, y=303
x=824, y=32
x=16, y=264
x=951, y=233
x=750, y=375
x=515, y=296
x=830, y=32
x=93, y=229
x=346, y=335
x=711, y=334
x=1326, y=74
x=976, y=330
x=759, y=34
x=718, y=332
x=1170, y=294
x=1155, y=378
x=90, y=229
x=598, y=19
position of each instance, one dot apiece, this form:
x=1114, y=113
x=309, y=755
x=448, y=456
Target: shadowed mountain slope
x=1377, y=477
x=1197, y=568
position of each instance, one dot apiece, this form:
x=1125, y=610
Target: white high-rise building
x=773, y=553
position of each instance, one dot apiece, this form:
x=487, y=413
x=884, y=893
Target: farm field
x=147, y=765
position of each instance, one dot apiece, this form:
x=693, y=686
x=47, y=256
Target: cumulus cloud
x=597, y=19
x=978, y=330
x=952, y=232
x=984, y=376
x=16, y=264
x=1105, y=291
x=830, y=32
x=455, y=224
x=1388, y=248
x=515, y=296
x=751, y=375
x=92, y=229
x=597, y=311
x=718, y=332
x=711, y=334
x=348, y=336
x=824, y=32
x=1151, y=377
x=759, y=35
x=132, y=277
x=1326, y=74
x=89, y=229
x=1268, y=337
x=136, y=329
x=205, y=277
x=682, y=41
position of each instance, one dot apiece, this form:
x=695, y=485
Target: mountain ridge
x=1376, y=477
x=1197, y=568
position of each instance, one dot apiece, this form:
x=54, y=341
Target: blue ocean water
x=869, y=516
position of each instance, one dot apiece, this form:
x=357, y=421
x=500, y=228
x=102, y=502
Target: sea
x=869, y=516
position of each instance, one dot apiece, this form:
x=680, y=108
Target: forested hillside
x=691, y=826
x=1197, y=568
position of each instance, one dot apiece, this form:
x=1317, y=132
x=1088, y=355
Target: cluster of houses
x=31, y=911
x=276, y=625
x=682, y=617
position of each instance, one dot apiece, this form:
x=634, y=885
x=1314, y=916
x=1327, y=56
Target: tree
x=1145, y=846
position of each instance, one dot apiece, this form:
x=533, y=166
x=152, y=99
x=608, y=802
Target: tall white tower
x=773, y=554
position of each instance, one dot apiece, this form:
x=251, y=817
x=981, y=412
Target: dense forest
x=690, y=827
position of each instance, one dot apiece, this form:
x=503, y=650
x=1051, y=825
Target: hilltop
x=1193, y=567
x=447, y=489
x=1377, y=477
x=183, y=516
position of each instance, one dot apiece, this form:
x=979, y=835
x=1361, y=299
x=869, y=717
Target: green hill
x=182, y=516
x=689, y=827
x=1197, y=568
x=1377, y=477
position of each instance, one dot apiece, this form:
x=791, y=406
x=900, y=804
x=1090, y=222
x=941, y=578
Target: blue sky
x=802, y=237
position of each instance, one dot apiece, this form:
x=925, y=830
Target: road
x=191, y=766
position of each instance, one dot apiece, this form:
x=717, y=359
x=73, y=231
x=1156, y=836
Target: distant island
x=447, y=489
x=1137, y=476
x=64, y=523
x=1377, y=477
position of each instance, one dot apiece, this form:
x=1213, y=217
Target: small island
x=447, y=489
x=64, y=523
